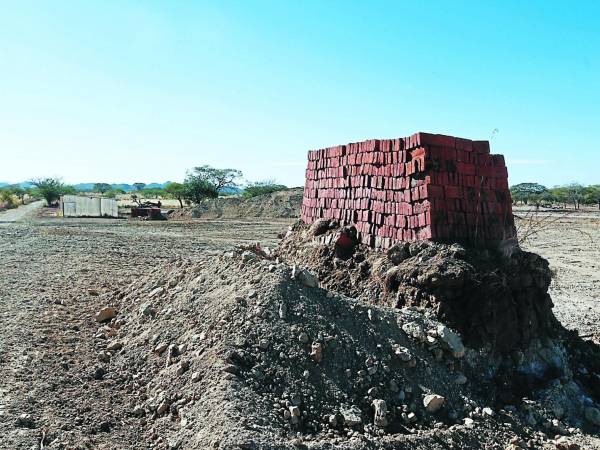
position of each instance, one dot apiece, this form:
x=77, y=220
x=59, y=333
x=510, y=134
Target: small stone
x=415, y=330
x=114, y=346
x=371, y=315
x=316, y=351
x=469, y=423
x=196, y=377
x=373, y=391
x=230, y=368
x=105, y=314
x=351, y=415
x=161, y=347
x=487, y=411
x=380, y=417
x=162, y=408
x=452, y=341
x=294, y=414
x=460, y=379
x=308, y=279
x=183, y=367
x=282, y=311
x=332, y=420
x=263, y=344
x=25, y=421
x=411, y=417
x=99, y=373
x=403, y=353
x=433, y=402
x=303, y=337
x=147, y=310
x=248, y=256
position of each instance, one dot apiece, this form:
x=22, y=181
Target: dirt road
x=14, y=215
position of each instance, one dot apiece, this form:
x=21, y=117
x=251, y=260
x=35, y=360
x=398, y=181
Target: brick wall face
x=425, y=186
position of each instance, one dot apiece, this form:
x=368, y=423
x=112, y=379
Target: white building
x=81, y=206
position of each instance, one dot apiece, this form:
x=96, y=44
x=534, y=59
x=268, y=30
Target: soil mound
x=278, y=205
x=492, y=298
x=245, y=351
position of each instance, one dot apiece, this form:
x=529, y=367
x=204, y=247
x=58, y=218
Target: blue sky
x=123, y=91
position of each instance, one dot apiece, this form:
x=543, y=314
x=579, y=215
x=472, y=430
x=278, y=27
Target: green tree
x=219, y=178
x=592, y=195
x=575, y=193
x=197, y=190
x=176, y=191
x=526, y=192
x=560, y=195
x=262, y=188
x=152, y=193
x=102, y=187
x=206, y=182
x=139, y=186
x=50, y=189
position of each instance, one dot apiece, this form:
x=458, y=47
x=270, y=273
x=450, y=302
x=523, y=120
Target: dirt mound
x=243, y=351
x=493, y=299
x=278, y=205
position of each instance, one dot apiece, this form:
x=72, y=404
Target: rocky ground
x=215, y=348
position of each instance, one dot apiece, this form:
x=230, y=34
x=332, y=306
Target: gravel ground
x=56, y=273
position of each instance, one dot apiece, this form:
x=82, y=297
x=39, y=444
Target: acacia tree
x=575, y=193
x=219, y=178
x=50, y=189
x=206, y=182
x=526, y=192
x=139, y=186
x=177, y=191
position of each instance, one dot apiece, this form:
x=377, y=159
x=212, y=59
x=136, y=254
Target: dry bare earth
x=55, y=274
x=571, y=243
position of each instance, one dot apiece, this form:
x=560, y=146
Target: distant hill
x=23, y=184
x=86, y=187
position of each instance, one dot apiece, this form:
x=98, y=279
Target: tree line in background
x=574, y=194
x=200, y=183
x=206, y=182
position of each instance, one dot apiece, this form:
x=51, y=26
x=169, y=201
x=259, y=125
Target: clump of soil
x=242, y=350
x=277, y=205
x=493, y=299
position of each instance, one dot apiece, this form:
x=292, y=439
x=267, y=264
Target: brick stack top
x=425, y=186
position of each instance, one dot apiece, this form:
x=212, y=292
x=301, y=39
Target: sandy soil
x=571, y=243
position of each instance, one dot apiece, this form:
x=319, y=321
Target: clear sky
x=123, y=91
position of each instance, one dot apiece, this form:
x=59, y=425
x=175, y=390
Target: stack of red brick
x=425, y=186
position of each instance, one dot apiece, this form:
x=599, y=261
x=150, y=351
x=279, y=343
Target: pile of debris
x=493, y=298
x=243, y=350
x=277, y=205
